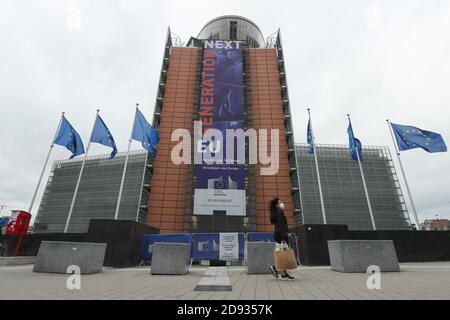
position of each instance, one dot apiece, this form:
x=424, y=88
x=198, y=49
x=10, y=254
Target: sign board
x=229, y=246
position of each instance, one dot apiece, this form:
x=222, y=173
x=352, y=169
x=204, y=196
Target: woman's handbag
x=284, y=258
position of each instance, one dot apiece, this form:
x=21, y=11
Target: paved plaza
x=415, y=281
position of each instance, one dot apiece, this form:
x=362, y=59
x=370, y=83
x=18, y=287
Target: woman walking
x=278, y=219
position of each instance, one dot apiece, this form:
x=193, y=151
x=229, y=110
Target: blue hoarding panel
x=206, y=246
x=241, y=240
x=260, y=236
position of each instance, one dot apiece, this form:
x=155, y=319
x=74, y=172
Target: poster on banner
x=229, y=246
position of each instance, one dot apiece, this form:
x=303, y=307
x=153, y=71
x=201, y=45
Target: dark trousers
x=280, y=236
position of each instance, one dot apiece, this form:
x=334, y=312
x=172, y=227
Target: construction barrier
x=212, y=246
x=207, y=246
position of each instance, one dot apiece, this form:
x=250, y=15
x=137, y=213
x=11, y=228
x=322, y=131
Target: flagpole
x=413, y=207
x=45, y=164
x=119, y=198
x=79, y=177
x=142, y=186
x=317, y=169
x=365, y=186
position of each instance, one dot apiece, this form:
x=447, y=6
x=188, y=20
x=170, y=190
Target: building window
x=233, y=30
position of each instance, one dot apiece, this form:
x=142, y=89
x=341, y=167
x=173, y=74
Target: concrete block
x=357, y=255
x=170, y=258
x=260, y=257
x=57, y=256
x=17, y=261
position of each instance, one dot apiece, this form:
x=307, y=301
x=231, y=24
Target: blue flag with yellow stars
x=101, y=135
x=145, y=132
x=409, y=137
x=68, y=137
x=353, y=143
x=309, y=138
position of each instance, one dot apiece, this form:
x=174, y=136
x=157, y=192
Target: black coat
x=279, y=220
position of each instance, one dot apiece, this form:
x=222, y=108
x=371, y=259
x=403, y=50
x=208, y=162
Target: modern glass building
x=97, y=194
x=343, y=192
x=243, y=76
x=266, y=105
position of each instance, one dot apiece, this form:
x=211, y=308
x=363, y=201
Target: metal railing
x=293, y=244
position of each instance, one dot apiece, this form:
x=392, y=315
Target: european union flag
x=309, y=138
x=4, y=221
x=409, y=137
x=69, y=138
x=145, y=133
x=353, y=143
x=101, y=135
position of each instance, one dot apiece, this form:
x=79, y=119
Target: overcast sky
x=373, y=59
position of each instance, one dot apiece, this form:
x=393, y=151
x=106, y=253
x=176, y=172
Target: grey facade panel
x=97, y=194
x=344, y=197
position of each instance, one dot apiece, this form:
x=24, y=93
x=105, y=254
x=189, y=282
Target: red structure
x=18, y=226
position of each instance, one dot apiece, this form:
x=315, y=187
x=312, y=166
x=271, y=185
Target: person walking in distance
x=278, y=219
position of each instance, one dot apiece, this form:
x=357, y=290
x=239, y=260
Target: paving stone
x=416, y=281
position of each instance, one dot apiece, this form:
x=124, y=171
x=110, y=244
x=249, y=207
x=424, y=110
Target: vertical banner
x=220, y=183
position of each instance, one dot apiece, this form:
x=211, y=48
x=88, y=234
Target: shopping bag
x=285, y=260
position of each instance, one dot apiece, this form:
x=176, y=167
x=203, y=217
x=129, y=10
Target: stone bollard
x=260, y=257
x=57, y=256
x=358, y=255
x=170, y=258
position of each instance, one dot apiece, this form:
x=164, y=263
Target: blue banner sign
x=220, y=179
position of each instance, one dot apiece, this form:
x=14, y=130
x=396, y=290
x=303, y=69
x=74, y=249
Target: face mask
x=281, y=205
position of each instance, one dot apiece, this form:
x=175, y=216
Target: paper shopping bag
x=285, y=260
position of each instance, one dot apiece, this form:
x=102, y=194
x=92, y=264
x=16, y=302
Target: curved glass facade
x=233, y=28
